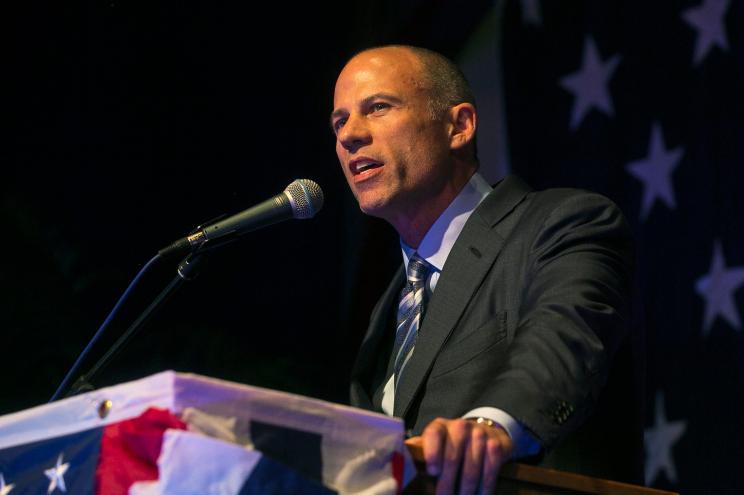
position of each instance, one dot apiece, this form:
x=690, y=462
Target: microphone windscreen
x=306, y=198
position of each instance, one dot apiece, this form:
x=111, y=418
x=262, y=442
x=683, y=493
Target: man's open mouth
x=361, y=165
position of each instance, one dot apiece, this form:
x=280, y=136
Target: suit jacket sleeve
x=573, y=313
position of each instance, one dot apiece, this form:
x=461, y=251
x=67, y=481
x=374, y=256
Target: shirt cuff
x=525, y=444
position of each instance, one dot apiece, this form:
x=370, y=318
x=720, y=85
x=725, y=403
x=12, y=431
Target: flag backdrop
x=185, y=434
x=644, y=102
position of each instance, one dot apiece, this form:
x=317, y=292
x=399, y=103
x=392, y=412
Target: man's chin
x=373, y=207
x=371, y=210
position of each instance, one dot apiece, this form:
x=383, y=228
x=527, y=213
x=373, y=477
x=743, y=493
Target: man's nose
x=354, y=134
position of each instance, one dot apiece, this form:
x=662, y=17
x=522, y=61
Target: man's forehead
x=384, y=69
x=362, y=69
x=379, y=57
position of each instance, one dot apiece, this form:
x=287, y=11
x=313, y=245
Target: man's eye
x=376, y=107
x=338, y=124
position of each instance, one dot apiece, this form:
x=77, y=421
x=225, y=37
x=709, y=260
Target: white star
x=5, y=489
x=659, y=440
x=531, y=12
x=717, y=288
x=707, y=19
x=589, y=84
x=655, y=171
x=56, y=476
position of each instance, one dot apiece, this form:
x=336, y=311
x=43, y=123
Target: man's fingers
x=456, y=440
x=495, y=455
x=433, y=441
x=472, y=465
x=455, y=447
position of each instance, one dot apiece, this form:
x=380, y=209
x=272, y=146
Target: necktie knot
x=418, y=270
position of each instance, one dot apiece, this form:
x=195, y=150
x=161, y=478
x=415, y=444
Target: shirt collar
x=441, y=236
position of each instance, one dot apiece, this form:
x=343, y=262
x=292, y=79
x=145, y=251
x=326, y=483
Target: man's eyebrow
x=366, y=101
x=381, y=96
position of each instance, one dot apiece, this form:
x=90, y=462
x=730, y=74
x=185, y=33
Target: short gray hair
x=447, y=83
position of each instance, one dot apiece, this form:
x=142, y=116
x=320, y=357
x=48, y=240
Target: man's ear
x=463, y=119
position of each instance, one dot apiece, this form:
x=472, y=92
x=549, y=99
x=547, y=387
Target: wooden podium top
x=524, y=479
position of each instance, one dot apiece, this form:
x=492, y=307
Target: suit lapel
x=368, y=354
x=470, y=259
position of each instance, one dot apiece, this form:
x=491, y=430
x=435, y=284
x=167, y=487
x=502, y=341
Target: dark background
x=132, y=122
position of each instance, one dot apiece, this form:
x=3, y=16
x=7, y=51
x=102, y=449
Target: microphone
x=301, y=199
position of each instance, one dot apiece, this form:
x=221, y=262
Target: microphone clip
x=190, y=267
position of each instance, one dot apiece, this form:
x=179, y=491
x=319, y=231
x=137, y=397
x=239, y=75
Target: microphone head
x=305, y=197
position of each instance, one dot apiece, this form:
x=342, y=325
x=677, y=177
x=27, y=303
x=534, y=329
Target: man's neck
x=412, y=226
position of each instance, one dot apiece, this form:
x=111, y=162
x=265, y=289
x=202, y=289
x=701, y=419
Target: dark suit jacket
x=531, y=306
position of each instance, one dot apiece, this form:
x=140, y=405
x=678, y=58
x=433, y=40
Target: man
x=497, y=344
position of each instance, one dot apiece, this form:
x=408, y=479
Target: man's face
x=394, y=155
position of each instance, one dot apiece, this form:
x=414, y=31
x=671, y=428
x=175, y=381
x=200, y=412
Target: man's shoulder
x=559, y=195
x=515, y=205
x=555, y=199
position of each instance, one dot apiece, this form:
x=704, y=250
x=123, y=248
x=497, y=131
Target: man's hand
x=475, y=450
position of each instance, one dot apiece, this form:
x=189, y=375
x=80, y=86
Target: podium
x=523, y=479
x=174, y=433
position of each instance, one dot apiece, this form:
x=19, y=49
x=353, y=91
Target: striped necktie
x=410, y=313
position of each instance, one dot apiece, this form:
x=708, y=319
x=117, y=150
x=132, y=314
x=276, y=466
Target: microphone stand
x=301, y=199
x=188, y=269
